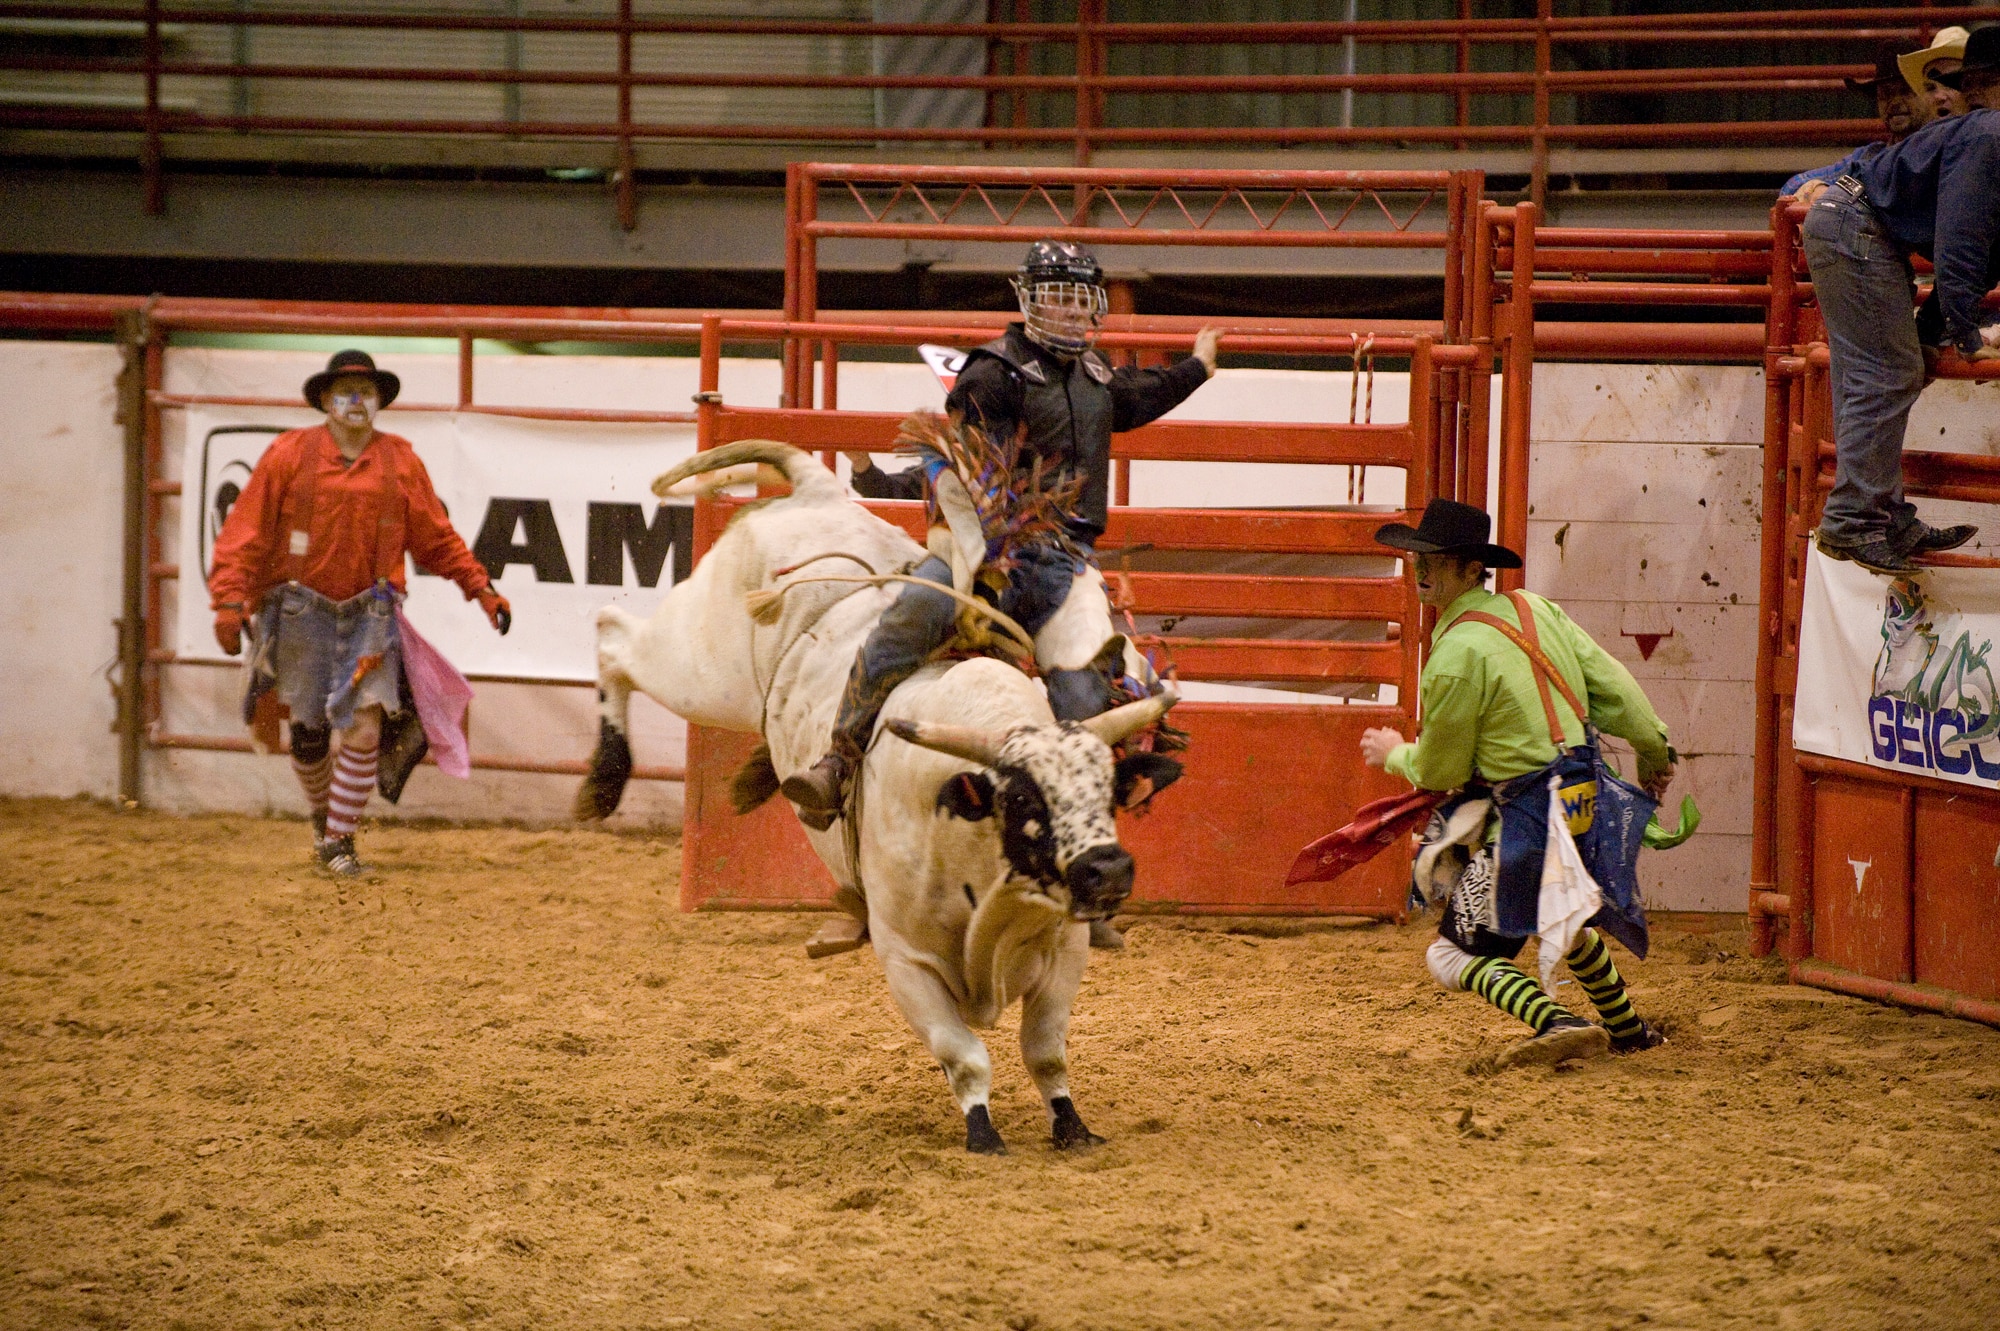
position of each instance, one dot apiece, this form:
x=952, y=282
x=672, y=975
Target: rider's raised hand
x=1205, y=344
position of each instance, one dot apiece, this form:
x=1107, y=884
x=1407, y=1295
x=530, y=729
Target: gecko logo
x=1861, y=868
x=1933, y=701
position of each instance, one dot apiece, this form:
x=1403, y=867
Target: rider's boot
x=909, y=631
x=821, y=790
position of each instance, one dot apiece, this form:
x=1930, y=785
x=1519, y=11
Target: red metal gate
x=1922, y=926
x=1262, y=779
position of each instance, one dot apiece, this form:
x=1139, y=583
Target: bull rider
x=1490, y=734
x=310, y=564
x=1040, y=382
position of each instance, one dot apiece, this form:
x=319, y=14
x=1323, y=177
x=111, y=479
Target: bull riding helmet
x=1061, y=290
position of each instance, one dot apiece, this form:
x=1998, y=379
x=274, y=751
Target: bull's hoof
x=1104, y=936
x=610, y=769
x=1069, y=1133
x=981, y=1137
x=842, y=933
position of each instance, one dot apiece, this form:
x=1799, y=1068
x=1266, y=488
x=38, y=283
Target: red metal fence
x=1546, y=47
x=1923, y=926
x=1519, y=266
x=1262, y=778
x=151, y=563
x=1222, y=842
x=1512, y=268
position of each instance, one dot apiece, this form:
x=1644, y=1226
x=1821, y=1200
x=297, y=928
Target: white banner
x=1900, y=673
x=561, y=513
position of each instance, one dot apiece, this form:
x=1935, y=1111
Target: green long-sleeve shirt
x=1481, y=710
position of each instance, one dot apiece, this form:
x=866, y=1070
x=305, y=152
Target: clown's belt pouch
x=1607, y=817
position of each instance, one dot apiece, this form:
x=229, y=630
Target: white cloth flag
x=1570, y=896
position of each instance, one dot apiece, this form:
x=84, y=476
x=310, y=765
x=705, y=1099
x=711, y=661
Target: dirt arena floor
x=502, y=1082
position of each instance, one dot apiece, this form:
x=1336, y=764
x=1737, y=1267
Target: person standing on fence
x=1042, y=383
x=1921, y=70
x=1937, y=193
x=1903, y=111
x=310, y=564
x=1500, y=696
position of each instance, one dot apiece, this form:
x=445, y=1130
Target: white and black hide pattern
x=1054, y=797
x=1055, y=790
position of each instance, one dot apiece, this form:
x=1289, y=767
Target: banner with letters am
x=561, y=513
x=1901, y=673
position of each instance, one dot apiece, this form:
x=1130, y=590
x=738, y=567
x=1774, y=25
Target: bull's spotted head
x=1054, y=789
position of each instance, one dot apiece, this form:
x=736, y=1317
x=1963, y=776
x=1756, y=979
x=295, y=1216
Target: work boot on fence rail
x=1936, y=540
x=1877, y=554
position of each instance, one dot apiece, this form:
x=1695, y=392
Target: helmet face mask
x=1061, y=291
x=1062, y=316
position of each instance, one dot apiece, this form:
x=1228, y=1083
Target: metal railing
x=635, y=58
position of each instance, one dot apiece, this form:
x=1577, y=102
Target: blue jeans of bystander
x=1867, y=295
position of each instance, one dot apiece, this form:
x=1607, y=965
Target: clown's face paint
x=352, y=401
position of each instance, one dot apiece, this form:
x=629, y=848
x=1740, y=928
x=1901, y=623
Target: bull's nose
x=1099, y=879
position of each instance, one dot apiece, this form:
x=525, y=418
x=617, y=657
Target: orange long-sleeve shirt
x=364, y=516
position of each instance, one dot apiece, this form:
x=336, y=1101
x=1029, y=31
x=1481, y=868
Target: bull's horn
x=1120, y=723
x=973, y=745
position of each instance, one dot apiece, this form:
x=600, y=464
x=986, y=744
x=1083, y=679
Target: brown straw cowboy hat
x=1949, y=44
x=1982, y=56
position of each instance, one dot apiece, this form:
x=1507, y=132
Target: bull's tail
x=809, y=480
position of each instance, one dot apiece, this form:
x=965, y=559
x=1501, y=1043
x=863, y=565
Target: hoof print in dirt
x=1069, y=1133
x=981, y=1138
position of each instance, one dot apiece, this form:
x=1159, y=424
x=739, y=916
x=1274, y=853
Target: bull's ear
x=969, y=795
x=1140, y=776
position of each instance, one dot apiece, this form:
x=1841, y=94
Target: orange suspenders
x=1529, y=640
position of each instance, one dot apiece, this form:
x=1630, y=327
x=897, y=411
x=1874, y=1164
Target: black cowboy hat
x=1982, y=56
x=1886, y=71
x=1450, y=528
x=351, y=363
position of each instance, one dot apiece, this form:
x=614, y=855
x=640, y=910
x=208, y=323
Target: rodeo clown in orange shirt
x=310, y=564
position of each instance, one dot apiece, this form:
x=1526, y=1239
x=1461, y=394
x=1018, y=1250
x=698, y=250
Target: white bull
x=986, y=839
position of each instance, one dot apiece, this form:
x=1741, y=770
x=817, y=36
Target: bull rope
x=767, y=603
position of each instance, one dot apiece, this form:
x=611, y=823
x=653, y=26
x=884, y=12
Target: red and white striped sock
x=314, y=779
x=353, y=778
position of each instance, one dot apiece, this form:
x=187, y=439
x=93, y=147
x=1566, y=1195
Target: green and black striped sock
x=1590, y=962
x=1507, y=987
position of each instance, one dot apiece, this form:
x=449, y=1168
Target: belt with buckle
x=1852, y=188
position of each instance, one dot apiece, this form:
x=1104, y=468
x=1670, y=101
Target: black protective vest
x=1068, y=412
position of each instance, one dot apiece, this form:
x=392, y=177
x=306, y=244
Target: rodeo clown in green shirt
x=1489, y=713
